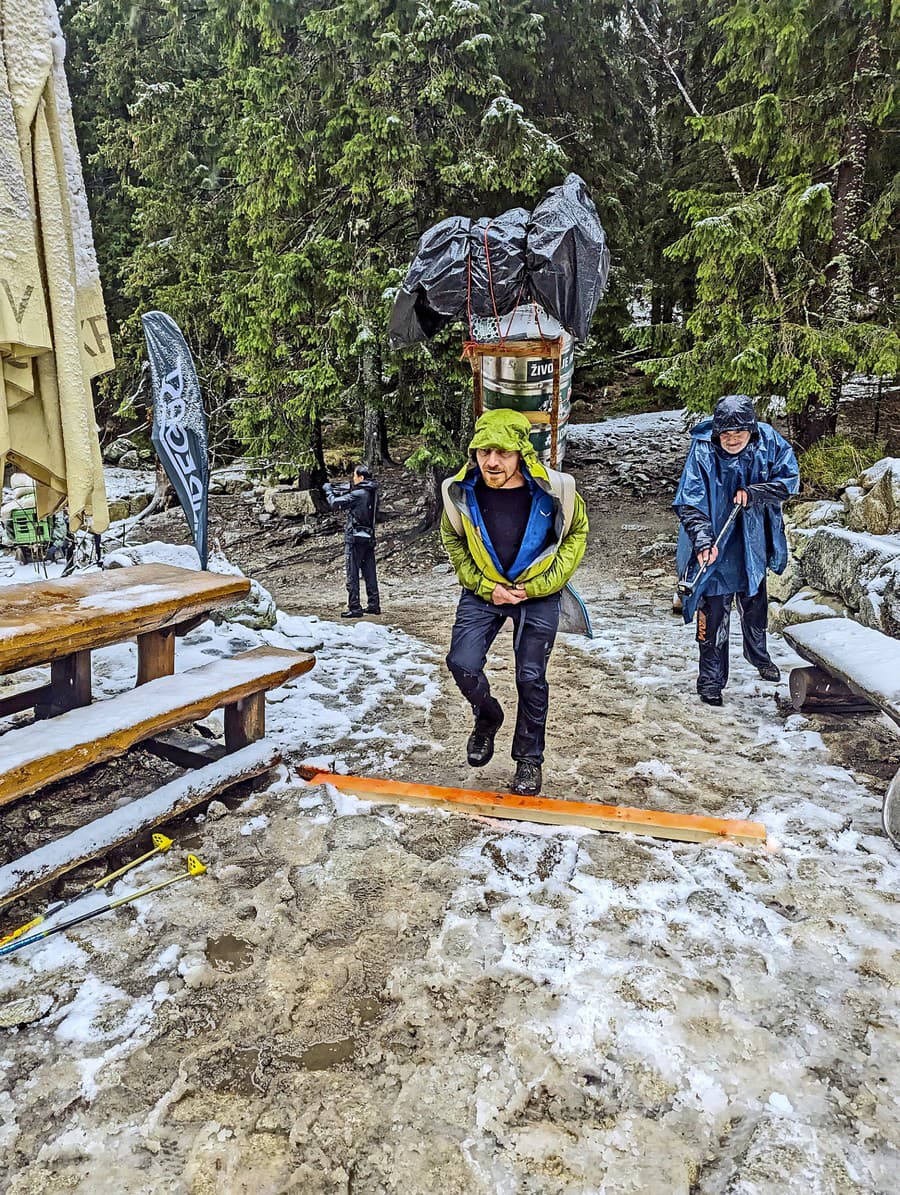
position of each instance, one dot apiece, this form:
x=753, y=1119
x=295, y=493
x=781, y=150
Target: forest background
x=262, y=169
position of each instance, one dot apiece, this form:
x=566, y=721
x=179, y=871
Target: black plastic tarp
x=556, y=255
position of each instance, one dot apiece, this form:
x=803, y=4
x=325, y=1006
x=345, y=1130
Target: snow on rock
x=863, y=570
x=806, y=605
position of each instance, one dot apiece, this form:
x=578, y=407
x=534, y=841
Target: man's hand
x=707, y=556
x=741, y=498
x=508, y=595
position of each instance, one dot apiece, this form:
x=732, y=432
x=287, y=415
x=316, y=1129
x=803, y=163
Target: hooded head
x=735, y=418
x=508, y=432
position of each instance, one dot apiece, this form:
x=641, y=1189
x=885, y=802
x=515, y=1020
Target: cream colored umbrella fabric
x=53, y=332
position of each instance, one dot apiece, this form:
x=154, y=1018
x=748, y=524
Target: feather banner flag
x=179, y=422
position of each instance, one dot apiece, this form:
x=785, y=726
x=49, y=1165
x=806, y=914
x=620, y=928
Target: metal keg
x=526, y=383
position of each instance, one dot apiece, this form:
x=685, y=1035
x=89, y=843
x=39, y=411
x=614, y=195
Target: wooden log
x=156, y=655
x=814, y=689
x=184, y=749
x=245, y=721
x=122, y=825
x=682, y=827
x=25, y=699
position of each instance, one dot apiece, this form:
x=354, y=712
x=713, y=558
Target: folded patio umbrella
x=53, y=333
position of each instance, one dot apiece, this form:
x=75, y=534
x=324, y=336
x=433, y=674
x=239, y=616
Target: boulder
x=129, y=460
x=784, y=586
x=863, y=570
x=256, y=610
x=851, y=495
x=878, y=511
x=869, y=476
x=289, y=503
x=115, y=451
x=118, y=510
x=806, y=605
x=813, y=514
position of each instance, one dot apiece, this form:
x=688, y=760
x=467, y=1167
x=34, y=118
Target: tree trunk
x=433, y=501
x=817, y=419
x=311, y=471
x=375, y=443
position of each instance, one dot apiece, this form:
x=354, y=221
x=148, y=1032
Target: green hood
x=509, y=431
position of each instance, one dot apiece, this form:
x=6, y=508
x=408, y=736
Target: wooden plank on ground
x=867, y=661
x=184, y=749
x=46, y=620
x=122, y=825
x=36, y=755
x=682, y=827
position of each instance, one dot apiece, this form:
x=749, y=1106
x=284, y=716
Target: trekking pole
x=194, y=868
x=160, y=845
x=686, y=587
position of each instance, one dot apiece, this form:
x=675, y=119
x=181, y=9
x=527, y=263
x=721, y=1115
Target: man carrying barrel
x=515, y=532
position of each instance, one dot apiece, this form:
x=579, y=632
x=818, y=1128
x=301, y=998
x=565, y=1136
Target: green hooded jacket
x=475, y=570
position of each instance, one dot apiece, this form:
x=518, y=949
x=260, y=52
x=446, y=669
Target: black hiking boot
x=480, y=747
x=528, y=778
x=373, y=609
x=769, y=671
x=710, y=696
x=352, y=613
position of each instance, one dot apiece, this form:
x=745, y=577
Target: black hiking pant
x=359, y=558
x=713, y=624
x=477, y=625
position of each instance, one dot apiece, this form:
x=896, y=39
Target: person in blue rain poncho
x=733, y=460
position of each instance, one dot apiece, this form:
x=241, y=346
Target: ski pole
x=686, y=587
x=194, y=868
x=160, y=845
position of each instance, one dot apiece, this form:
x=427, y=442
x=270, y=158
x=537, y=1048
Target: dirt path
x=374, y=1000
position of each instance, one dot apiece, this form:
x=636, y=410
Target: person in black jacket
x=361, y=505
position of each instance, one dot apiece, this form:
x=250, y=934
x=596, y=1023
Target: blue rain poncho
x=767, y=469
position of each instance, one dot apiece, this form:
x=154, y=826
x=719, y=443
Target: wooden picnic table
x=60, y=622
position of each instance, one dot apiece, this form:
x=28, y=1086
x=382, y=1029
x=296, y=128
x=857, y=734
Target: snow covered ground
x=372, y=999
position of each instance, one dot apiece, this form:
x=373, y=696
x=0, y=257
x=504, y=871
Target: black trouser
x=713, y=621
x=534, y=629
x=359, y=557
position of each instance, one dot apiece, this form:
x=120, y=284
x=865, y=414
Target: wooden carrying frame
x=548, y=349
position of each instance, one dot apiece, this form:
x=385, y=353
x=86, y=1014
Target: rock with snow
x=807, y=605
x=850, y=495
x=878, y=510
x=870, y=476
x=813, y=514
x=862, y=570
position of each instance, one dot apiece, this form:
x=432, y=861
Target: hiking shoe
x=769, y=671
x=480, y=747
x=528, y=778
x=373, y=609
x=710, y=696
x=352, y=613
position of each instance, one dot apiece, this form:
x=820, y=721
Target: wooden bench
x=868, y=664
x=46, y=751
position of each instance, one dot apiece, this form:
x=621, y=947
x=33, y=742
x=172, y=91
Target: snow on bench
x=867, y=661
x=50, y=750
